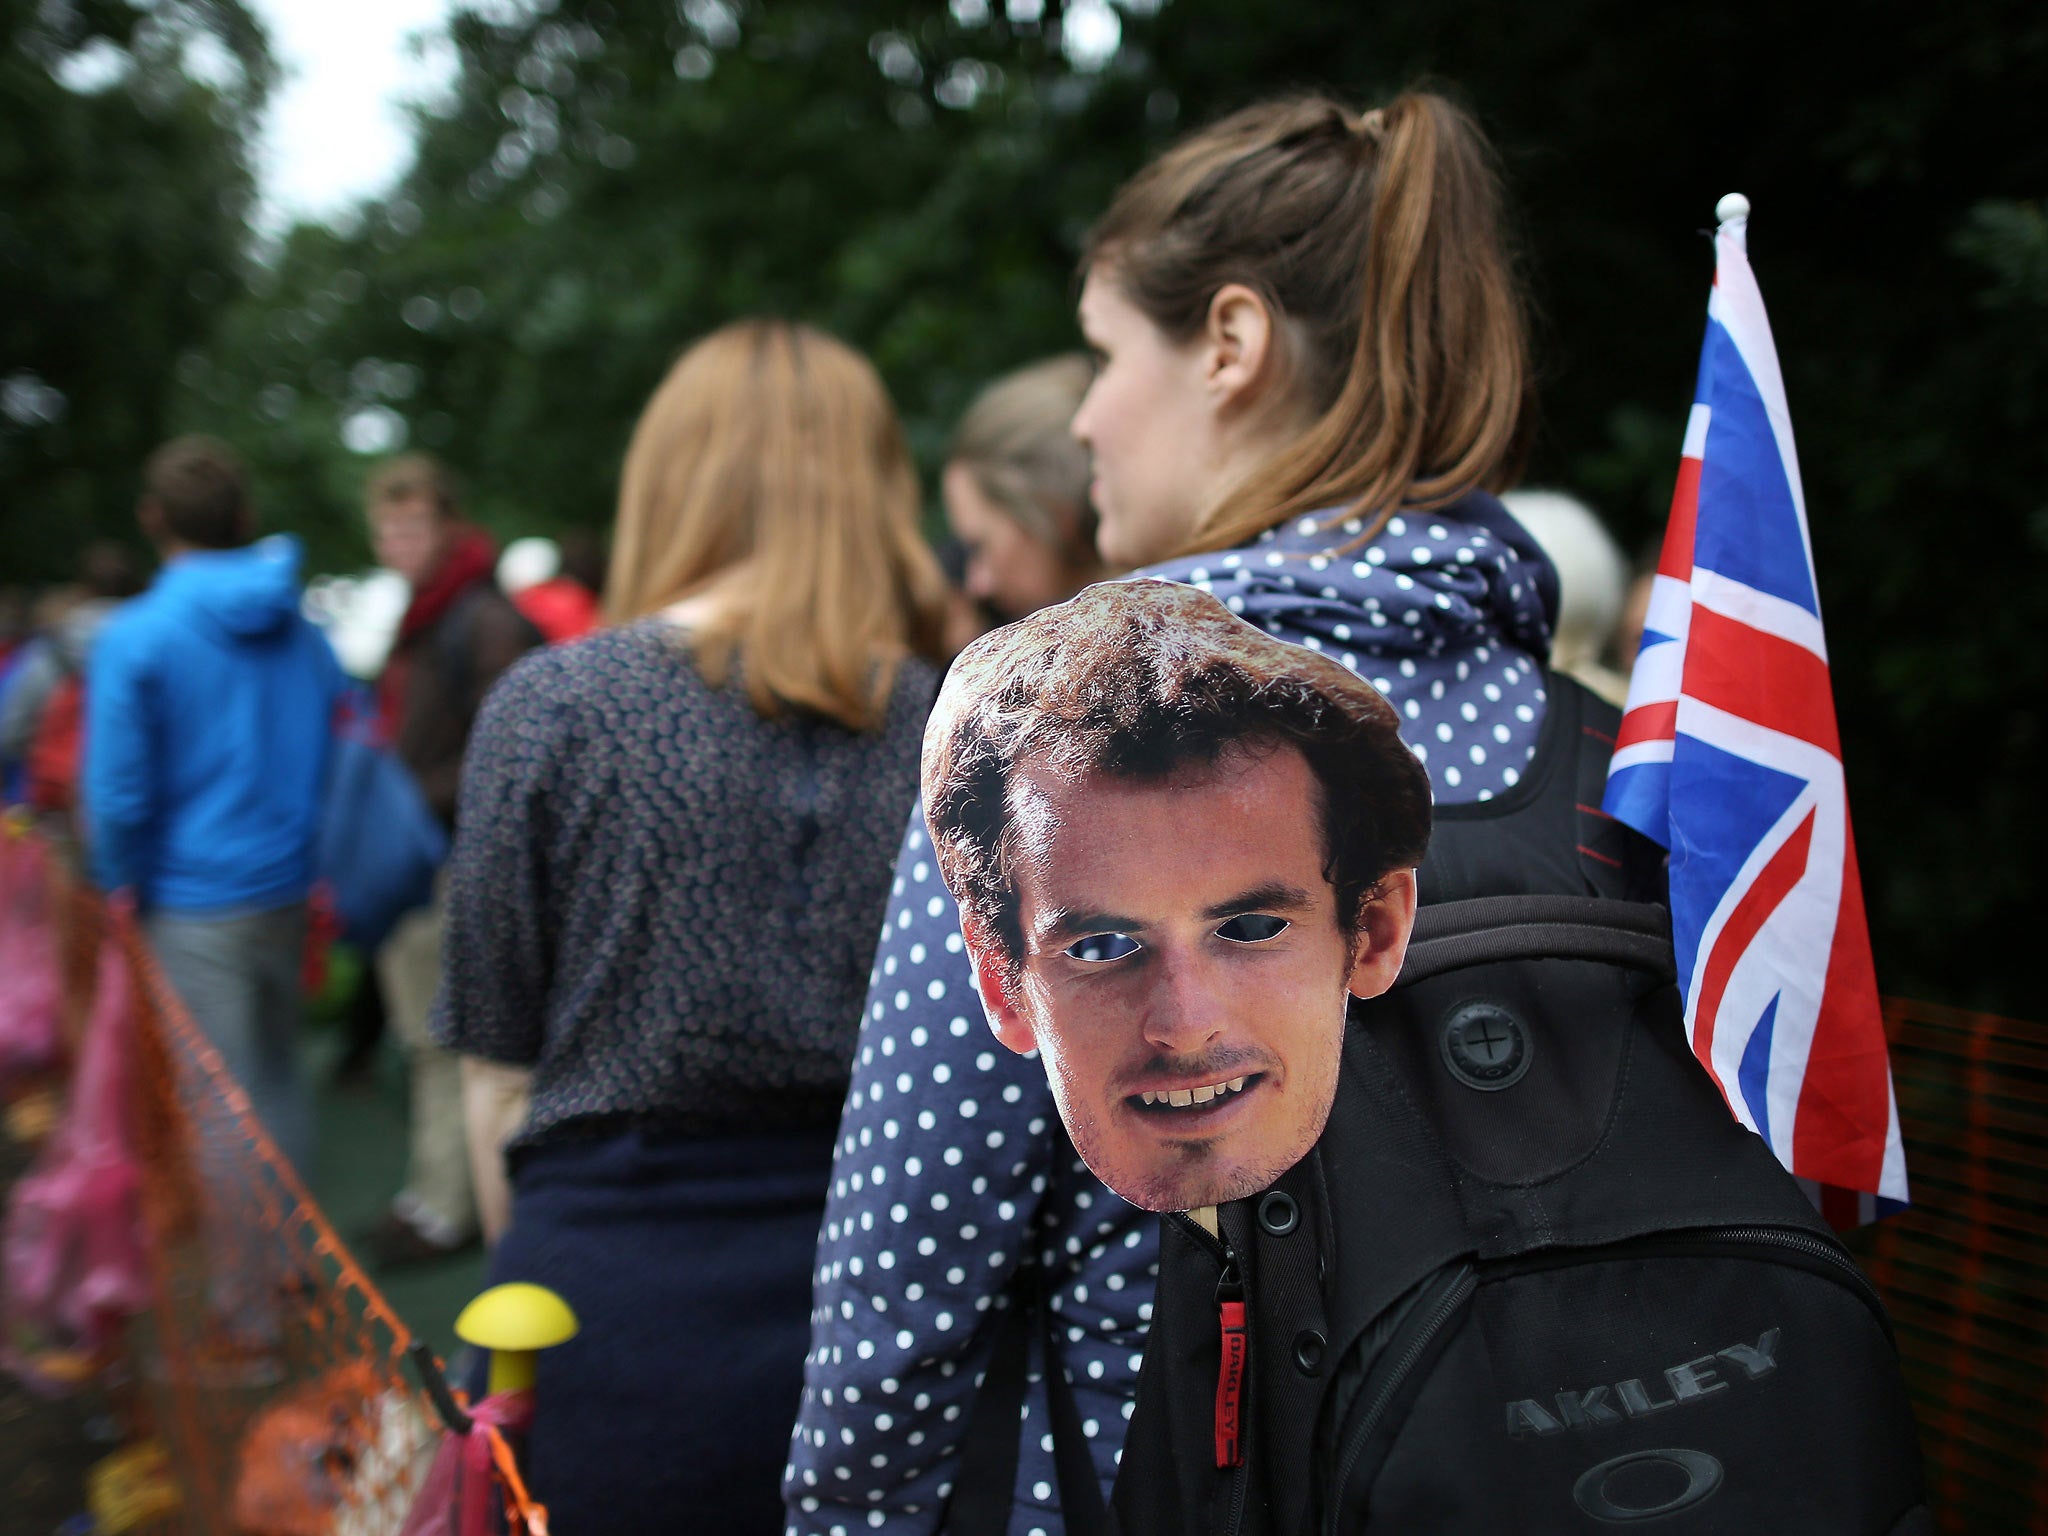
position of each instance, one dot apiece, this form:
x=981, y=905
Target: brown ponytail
x=1377, y=242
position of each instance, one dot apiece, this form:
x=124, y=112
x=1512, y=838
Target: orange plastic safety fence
x=270, y=1366
x=275, y=1365
x=1965, y=1270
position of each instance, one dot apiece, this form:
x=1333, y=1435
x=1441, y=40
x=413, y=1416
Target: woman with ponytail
x=1311, y=379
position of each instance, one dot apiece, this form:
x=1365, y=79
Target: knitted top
x=662, y=902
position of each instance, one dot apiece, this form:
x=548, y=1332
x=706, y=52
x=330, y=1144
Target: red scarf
x=470, y=557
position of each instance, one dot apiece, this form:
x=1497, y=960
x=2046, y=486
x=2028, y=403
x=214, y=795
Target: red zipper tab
x=1230, y=1385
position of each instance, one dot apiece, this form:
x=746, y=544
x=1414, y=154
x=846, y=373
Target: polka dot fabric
x=662, y=902
x=952, y=1161
x=1446, y=614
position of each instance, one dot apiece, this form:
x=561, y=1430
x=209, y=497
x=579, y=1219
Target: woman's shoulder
x=1426, y=582
x=913, y=688
x=631, y=664
x=640, y=647
x=916, y=684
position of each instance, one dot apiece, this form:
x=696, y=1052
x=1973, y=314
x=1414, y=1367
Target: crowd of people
x=786, y=1175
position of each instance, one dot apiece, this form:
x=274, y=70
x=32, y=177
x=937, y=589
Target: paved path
x=357, y=1168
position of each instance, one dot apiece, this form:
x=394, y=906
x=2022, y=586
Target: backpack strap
x=1081, y=1507
x=1452, y=935
x=985, y=1484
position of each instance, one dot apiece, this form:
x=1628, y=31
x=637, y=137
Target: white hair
x=1592, y=577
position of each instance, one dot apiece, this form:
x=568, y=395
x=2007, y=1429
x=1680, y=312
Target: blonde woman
x=673, y=856
x=1016, y=490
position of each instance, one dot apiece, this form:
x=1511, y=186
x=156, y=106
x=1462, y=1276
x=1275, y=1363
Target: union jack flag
x=1728, y=756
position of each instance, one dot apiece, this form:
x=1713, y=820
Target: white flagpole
x=1733, y=213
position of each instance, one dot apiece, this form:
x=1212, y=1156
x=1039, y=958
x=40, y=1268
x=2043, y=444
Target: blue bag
x=380, y=844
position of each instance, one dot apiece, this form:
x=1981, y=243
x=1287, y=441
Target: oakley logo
x=1636, y=1398
x=1646, y=1484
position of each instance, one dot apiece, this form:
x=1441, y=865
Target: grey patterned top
x=661, y=902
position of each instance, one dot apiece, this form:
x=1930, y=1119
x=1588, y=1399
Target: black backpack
x=1534, y=1277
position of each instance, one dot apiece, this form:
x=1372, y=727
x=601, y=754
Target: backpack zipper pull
x=1230, y=1377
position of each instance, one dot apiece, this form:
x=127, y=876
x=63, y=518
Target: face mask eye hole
x=1098, y=947
x=1252, y=928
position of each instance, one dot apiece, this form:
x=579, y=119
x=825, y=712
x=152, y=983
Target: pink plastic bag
x=72, y=1255
x=460, y=1495
x=29, y=965
x=434, y=1508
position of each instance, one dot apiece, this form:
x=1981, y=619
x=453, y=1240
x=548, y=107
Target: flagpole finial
x=1733, y=206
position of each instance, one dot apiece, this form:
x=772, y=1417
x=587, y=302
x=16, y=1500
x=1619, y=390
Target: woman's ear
x=1383, y=927
x=1239, y=338
x=1007, y=1018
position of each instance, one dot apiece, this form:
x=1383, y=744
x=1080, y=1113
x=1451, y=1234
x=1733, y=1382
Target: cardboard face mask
x=1179, y=847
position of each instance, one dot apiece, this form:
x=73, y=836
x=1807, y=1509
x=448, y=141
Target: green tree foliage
x=124, y=200
x=603, y=188
x=607, y=180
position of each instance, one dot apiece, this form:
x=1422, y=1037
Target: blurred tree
x=603, y=187
x=605, y=181
x=124, y=199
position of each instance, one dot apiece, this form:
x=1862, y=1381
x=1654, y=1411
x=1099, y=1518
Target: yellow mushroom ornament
x=514, y=1322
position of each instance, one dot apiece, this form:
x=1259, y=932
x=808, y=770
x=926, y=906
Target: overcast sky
x=336, y=131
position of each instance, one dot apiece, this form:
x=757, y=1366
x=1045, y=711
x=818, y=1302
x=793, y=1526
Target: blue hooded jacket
x=209, y=706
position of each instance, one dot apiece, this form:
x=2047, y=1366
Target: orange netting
x=1965, y=1270
x=268, y=1364
x=277, y=1364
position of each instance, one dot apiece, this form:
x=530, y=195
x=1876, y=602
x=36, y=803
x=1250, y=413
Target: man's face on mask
x=1185, y=972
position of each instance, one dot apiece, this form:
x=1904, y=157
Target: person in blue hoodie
x=208, y=719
